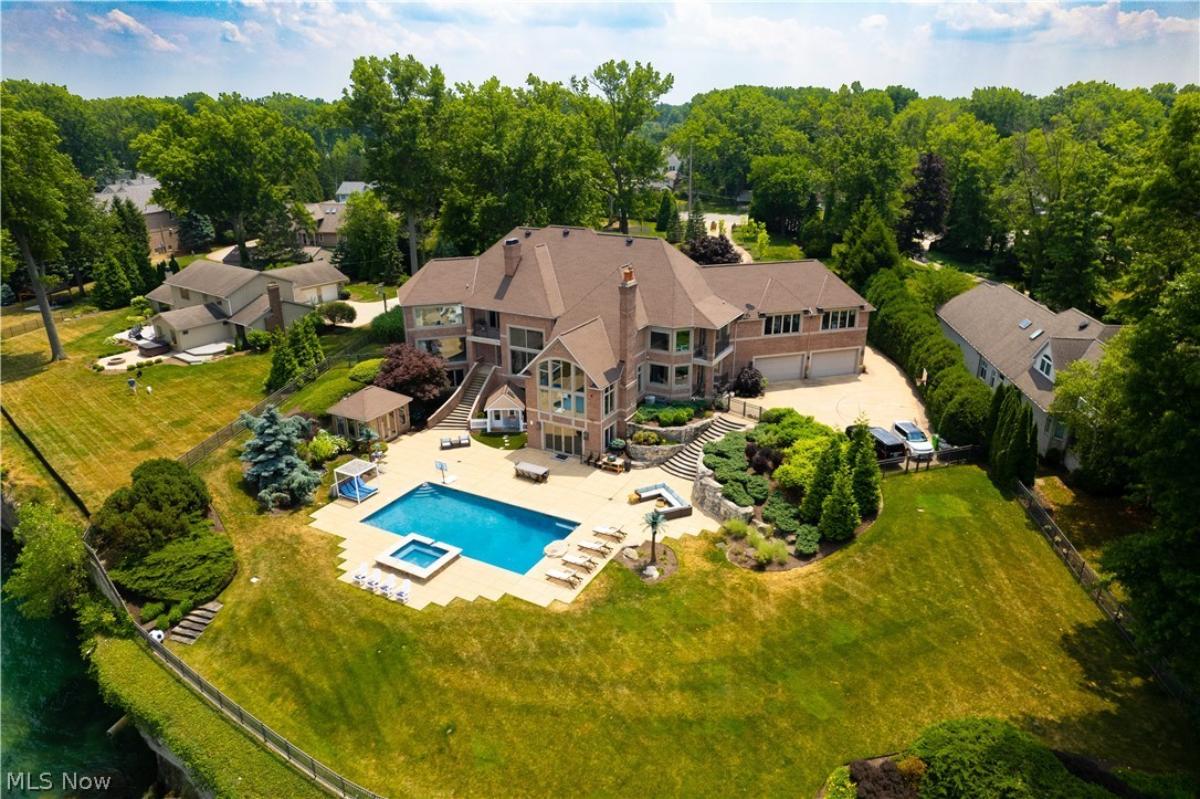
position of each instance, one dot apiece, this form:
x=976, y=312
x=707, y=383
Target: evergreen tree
x=134, y=240
x=195, y=232
x=305, y=344
x=696, y=227
x=276, y=472
x=666, y=210
x=1000, y=456
x=675, y=228
x=869, y=248
x=315, y=352
x=112, y=284
x=284, y=366
x=822, y=481
x=993, y=417
x=927, y=203
x=865, y=476
x=839, y=512
x=1027, y=468
x=173, y=266
x=161, y=271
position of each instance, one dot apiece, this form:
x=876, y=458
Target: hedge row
x=908, y=332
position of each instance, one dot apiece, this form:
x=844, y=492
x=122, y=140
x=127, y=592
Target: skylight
x=1035, y=334
x=1024, y=323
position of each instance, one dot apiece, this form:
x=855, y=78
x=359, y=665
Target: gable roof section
x=192, y=316
x=781, y=287
x=989, y=317
x=211, y=277
x=313, y=273
x=369, y=404
x=504, y=399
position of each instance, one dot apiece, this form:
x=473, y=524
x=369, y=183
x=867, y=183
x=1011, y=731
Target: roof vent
x=566, y=232
x=1024, y=323
x=528, y=233
x=629, y=241
x=1083, y=325
x=1036, y=333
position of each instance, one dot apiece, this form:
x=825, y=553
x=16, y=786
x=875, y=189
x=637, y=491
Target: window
x=781, y=325
x=983, y=367
x=437, y=315
x=184, y=294
x=660, y=340
x=610, y=433
x=683, y=340
x=641, y=377
x=683, y=376
x=658, y=374
x=1060, y=429
x=523, y=346
x=562, y=439
x=1045, y=364
x=452, y=349
x=610, y=400
x=561, y=387
x=839, y=320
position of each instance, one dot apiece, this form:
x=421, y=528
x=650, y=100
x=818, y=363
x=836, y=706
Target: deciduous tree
x=369, y=244
x=49, y=573
x=412, y=371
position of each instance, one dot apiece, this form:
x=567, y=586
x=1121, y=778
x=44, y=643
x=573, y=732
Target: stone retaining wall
x=647, y=456
x=684, y=435
x=706, y=495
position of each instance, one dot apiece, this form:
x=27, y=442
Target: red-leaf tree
x=415, y=372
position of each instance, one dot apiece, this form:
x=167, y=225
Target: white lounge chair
x=388, y=587
x=360, y=574
x=402, y=594
x=582, y=561
x=374, y=580
x=610, y=531
x=592, y=545
x=562, y=575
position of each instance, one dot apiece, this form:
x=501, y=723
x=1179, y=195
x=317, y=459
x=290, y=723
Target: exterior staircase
x=686, y=462
x=460, y=417
x=194, y=623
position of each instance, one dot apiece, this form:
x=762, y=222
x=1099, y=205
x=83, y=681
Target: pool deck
x=574, y=491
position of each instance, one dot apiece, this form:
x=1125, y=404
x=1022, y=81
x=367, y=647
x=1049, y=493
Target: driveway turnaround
x=882, y=393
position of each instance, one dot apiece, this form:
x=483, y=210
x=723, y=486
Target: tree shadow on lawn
x=1142, y=726
x=21, y=366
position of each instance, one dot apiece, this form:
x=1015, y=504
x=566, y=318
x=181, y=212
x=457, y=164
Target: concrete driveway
x=882, y=393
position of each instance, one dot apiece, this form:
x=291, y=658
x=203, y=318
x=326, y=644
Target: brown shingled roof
x=212, y=277
x=369, y=404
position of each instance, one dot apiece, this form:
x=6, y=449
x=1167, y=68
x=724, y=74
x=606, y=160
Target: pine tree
x=696, y=228
x=173, y=266
x=993, y=417
x=666, y=210
x=284, y=366
x=675, y=229
x=134, y=239
x=870, y=247
x=864, y=471
x=195, y=232
x=822, y=481
x=305, y=344
x=839, y=512
x=279, y=475
x=112, y=284
x=927, y=203
x=315, y=351
x=1027, y=466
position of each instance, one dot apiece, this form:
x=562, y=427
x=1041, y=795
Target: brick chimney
x=628, y=332
x=512, y=256
x=275, y=316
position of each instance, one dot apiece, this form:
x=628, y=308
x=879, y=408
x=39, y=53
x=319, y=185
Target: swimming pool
x=494, y=532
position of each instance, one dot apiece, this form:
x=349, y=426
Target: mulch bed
x=668, y=561
x=739, y=553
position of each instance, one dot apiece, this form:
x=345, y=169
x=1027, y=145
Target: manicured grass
x=716, y=682
x=781, y=248
x=515, y=440
x=369, y=292
x=26, y=480
x=214, y=749
x=92, y=428
x=316, y=397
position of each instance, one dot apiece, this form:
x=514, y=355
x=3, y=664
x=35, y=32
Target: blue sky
x=256, y=47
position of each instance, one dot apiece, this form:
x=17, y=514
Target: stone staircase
x=194, y=623
x=686, y=462
x=460, y=417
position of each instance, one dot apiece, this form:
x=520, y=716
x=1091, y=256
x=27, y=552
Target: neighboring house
x=349, y=187
x=382, y=411
x=208, y=303
x=328, y=217
x=584, y=325
x=161, y=223
x=1007, y=337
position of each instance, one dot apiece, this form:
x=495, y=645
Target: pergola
x=348, y=479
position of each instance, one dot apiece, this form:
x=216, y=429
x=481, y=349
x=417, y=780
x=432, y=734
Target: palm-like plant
x=656, y=522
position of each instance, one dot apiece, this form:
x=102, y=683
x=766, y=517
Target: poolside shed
x=385, y=412
x=504, y=411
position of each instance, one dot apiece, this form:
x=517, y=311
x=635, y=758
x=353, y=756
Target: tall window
x=610, y=433
x=610, y=399
x=561, y=387
x=982, y=369
x=683, y=340
x=523, y=346
x=683, y=376
x=437, y=315
x=781, y=324
x=561, y=439
x=659, y=375
x=839, y=320
x=1045, y=364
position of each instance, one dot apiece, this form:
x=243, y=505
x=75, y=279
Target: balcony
x=704, y=358
x=483, y=332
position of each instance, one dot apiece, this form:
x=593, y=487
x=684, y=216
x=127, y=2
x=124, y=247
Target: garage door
x=833, y=362
x=777, y=368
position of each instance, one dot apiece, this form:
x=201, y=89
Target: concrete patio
x=581, y=493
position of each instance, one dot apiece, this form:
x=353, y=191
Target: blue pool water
x=495, y=532
x=418, y=553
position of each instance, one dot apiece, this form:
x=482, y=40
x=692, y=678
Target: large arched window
x=561, y=388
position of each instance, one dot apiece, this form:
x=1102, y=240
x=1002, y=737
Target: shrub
x=839, y=512
x=274, y=469
x=757, y=487
x=824, y=476
x=388, y=328
x=736, y=493
x=337, y=312
x=838, y=785
x=151, y=611
x=749, y=382
x=325, y=446
x=735, y=528
x=164, y=501
x=177, y=613
x=194, y=568
x=647, y=438
x=344, y=294
x=616, y=445
x=770, y=550
x=366, y=371
x=676, y=417
x=881, y=780
x=791, y=478
x=258, y=340
x=808, y=540
x=413, y=371
x=780, y=512
x=912, y=769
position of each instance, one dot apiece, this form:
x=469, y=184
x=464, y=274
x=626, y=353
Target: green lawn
x=369, y=292
x=497, y=440
x=716, y=682
x=781, y=247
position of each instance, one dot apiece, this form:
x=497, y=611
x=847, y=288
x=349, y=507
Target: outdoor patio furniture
x=374, y=580
x=446, y=443
x=611, y=532
x=530, y=471
x=582, y=561
x=562, y=575
x=360, y=574
x=389, y=585
x=355, y=489
x=589, y=460
x=464, y=440
x=404, y=591
x=612, y=464
x=453, y=442
x=592, y=545
x=676, y=506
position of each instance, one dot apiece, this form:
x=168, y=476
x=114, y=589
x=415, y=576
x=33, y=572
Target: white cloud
x=231, y=33
x=120, y=22
x=874, y=22
x=63, y=15
x=1054, y=22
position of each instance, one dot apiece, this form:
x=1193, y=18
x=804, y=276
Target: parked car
x=887, y=444
x=915, y=440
